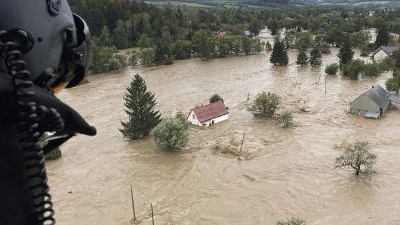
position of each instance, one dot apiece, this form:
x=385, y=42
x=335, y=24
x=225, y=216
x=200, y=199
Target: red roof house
x=210, y=114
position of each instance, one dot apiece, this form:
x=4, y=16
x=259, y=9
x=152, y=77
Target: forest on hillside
x=163, y=33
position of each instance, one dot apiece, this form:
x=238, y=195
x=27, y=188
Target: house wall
x=193, y=119
x=363, y=104
x=196, y=122
x=380, y=55
x=216, y=120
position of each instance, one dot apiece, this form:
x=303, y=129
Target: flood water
x=292, y=172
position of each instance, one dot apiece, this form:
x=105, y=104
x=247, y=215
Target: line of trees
x=170, y=32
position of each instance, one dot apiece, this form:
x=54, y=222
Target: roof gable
x=379, y=95
x=210, y=111
x=389, y=50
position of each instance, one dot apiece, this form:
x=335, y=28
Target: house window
x=193, y=116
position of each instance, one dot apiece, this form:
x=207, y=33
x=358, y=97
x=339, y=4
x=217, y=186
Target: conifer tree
x=302, y=58
x=315, y=57
x=279, y=55
x=345, y=54
x=383, y=37
x=139, y=103
x=274, y=28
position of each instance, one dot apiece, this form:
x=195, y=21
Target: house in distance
x=384, y=51
x=372, y=103
x=207, y=115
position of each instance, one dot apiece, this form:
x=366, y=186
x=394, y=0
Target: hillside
x=273, y=2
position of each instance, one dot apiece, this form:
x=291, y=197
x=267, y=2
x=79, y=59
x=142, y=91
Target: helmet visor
x=76, y=57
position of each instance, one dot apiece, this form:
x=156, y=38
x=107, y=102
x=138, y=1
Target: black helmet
x=55, y=41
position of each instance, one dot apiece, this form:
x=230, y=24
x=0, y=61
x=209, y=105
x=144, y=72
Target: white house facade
x=384, y=51
x=380, y=55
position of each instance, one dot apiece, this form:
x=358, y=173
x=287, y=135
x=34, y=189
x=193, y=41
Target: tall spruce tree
x=302, y=58
x=139, y=105
x=279, y=54
x=345, y=54
x=383, y=37
x=315, y=57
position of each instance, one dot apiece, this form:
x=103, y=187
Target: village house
x=207, y=115
x=372, y=103
x=383, y=52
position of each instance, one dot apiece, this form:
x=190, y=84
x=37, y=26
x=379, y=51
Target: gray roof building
x=372, y=103
x=385, y=51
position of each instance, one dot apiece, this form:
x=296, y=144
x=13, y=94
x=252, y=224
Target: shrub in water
x=332, y=69
x=171, y=134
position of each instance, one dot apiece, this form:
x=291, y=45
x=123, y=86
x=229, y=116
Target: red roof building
x=210, y=114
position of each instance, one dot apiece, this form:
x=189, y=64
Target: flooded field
x=290, y=174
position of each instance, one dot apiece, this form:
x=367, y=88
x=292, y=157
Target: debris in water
x=230, y=147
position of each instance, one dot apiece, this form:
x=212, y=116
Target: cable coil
x=28, y=126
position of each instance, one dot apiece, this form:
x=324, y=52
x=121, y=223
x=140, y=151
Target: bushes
x=101, y=58
x=358, y=67
x=171, y=133
x=216, y=98
x=293, y=221
x=285, y=119
x=147, y=56
x=332, y=69
x=265, y=104
x=353, y=69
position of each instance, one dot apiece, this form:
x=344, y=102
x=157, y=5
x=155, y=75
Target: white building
x=207, y=115
x=384, y=52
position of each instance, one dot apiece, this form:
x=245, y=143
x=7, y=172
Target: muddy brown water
x=291, y=174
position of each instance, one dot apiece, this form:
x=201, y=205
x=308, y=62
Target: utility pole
x=152, y=213
x=133, y=205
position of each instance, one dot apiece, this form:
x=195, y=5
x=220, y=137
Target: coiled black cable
x=28, y=127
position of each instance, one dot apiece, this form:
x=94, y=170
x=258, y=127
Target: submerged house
x=384, y=51
x=207, y=115
x=372, y=103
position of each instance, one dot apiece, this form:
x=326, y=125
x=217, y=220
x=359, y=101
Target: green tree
x=332, y=69
x=255, y=26
x=246, y=45
x=265, y=104
x=204, y=44
x=101, y=58
x=383, y=37
x=393, y=84
x=293, y=221
x=120, y=35
x=345, y=54
x=140, y=107
x=171, y=133
x=147, y=56
x=182, y=49
x=216, y=98
x=353, y=69
x=358, y=158
x=279, y=55
x=145, y=42
x=315, y=57
x=325, y=48
x=163, y=51
x=274, y=27
x=104, y=38
x=302, y=58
